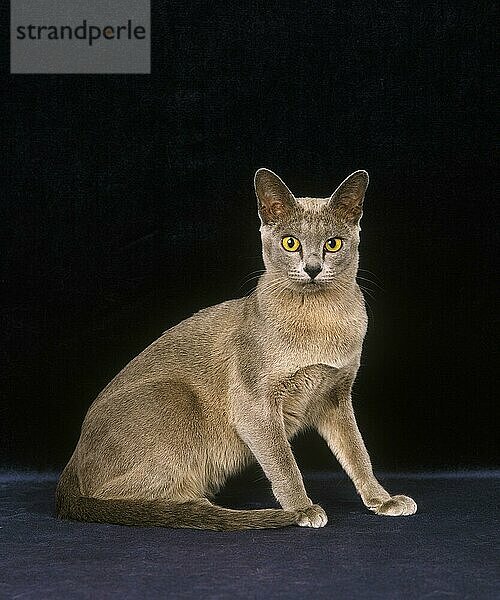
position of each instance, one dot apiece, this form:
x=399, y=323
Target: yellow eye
x=290, y=243
x=333, y=245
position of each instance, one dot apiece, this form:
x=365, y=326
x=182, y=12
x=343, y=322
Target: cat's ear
x=275, y=200
x=347, y=199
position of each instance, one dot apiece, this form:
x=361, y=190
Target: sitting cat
x=235, y=382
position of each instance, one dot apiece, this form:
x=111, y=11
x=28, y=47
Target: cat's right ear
x=275, y=200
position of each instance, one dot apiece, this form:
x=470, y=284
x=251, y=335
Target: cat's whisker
x=256, y=273
x=369, y=309
x=364, y=287
x=370, y=281
x=252, y=277
x=275, y=287
x=369, y=272
x=368, y=293
x=250, y=280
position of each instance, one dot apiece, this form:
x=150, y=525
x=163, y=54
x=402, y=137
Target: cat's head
x=310, y=243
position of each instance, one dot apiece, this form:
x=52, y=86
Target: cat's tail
x=195, y=514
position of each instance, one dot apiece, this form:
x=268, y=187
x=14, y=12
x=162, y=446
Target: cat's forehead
x=313, y=205
x=315, y=216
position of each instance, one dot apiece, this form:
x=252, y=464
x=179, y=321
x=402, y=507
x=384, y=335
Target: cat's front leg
x=261, y=427
x=336, y=423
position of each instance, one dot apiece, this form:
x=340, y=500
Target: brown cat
x=236, y=381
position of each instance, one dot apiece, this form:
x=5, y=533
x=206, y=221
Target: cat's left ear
x=347, y=199
x=274, y=198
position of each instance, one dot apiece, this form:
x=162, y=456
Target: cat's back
x=199, y=348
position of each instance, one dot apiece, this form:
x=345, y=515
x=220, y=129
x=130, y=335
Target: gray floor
x=446, y=550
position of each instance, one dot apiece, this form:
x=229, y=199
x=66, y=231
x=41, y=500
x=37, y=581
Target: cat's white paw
x=311, y=516
x=396, y=506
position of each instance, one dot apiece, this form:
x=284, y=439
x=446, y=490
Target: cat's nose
x=312, y=270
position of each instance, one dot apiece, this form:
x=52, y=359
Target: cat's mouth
x=309, y=285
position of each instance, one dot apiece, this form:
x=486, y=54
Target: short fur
x=234, y=383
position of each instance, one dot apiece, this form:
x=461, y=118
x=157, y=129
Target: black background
x=127, y=204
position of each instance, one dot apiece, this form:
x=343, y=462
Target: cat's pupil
x=290, y=242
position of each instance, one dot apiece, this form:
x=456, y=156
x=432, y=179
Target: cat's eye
x=290, y=243
x=333, y=245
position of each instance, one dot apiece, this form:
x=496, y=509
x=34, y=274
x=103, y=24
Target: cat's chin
x=308, y=287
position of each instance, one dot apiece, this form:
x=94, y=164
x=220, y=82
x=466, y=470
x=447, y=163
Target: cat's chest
x=333, y=337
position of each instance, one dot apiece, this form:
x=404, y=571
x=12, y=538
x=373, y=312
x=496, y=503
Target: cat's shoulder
x=219, y=316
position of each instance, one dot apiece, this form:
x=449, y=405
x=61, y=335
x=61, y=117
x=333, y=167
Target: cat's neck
x=308, y=311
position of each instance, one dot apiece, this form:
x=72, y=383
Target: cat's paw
x=396, y=506
x=311, y=516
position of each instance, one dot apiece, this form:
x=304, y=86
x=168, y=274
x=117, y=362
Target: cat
x=235, y=382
